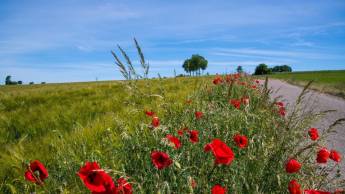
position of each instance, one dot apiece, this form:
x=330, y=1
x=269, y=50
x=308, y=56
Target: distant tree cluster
x=263, y=69
x=8, y=81
x=239, y=69
x=282, y=68
x=195, y=64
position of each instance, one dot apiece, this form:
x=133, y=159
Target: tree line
x=263, y=69
x=9, y=81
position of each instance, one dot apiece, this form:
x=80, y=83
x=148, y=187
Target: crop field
x=36, y=120
x=177, y=135
x=332, y=82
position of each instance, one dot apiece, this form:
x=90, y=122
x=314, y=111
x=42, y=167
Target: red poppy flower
x=149, y=113
x=218, y=189
x=180, y=132
x=322, y=155
x=294, y=187
x=257, y=81
x=241, y=140
x=237, y=75
x=313, y=134
x=292, y=166
x=282, y=111
x=245, y=100
x=36, y=167
x=198, y=114
x=339, y=191
x=193, y=136
x=221, y=152
x=315, y=192
x=174, y=140
x=160, y=159
x=123, y=187
x=155, y=122
x=95, y=179
x=242, y=83
x=236, y=103
x=193, y=183
x=281, y=104
x=253, y=86
x=217, y=80
x=334, y=155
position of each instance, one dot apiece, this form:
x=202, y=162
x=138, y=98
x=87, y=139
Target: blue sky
x=70, y=40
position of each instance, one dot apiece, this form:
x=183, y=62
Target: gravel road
x=319, y=102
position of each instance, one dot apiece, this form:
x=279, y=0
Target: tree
x=282, y=68
x=8, y=80
x=239, y=69
x=262, y=69
x=31, y=83
x=20, y=82
x=195, y=63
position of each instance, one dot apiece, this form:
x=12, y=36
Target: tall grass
x=64, y=126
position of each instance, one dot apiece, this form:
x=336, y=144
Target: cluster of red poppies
x=237, y=102
x=98, y=181
x=234, y=79
x=293, y=166
x=281, y=108
x=94, y=178
x=223, y=154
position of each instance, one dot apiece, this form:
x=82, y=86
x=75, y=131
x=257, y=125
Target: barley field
x=178, y=135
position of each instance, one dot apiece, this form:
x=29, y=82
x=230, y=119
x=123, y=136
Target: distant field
x=36, y=120
x=332, y=82
x=36, y=111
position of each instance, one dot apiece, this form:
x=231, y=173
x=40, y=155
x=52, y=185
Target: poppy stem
x=212, y=170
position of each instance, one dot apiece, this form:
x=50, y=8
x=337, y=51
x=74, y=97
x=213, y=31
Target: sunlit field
x=332, y=82
x=178, y=135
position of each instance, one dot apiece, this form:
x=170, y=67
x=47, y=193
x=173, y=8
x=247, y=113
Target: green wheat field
x=332, y=82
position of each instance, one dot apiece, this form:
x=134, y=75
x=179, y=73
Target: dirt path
x=319, y=102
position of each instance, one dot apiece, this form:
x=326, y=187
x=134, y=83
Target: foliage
x=239, y=69
x=8, y=81
x=195, y=64
x=96, y=126
x=122, y=125
x=63, y=125
x=262, y=69
x=282, y=68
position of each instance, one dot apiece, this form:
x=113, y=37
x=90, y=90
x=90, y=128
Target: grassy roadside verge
x=121, y=138
x=331, y=82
